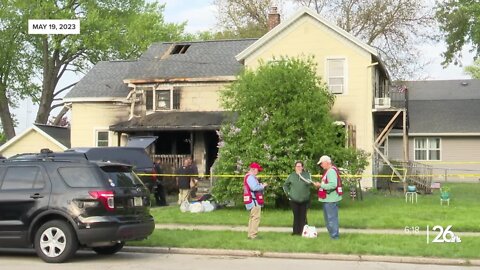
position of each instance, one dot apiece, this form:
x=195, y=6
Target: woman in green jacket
x=297, y=187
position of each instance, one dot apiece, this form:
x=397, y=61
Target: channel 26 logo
x=443, y=235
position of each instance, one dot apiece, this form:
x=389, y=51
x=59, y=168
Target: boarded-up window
x=149, y=100
x=176, y=98
x=351, y=136
x=336, y=75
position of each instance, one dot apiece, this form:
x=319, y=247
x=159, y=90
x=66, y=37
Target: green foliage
x=460, y=22
x=281, y=114
x=3, y=138
x=474, y=70
x=109, y=30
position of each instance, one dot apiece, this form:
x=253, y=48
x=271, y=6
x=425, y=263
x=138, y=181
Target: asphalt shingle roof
x=201, y=59
x=444, y=106
x=61, y=134
x=105, y=79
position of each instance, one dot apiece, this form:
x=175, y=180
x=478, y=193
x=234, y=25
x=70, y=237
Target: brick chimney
x=273, y=18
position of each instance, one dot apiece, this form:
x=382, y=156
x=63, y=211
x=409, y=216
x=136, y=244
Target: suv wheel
x=55, y=241
x=109, y=250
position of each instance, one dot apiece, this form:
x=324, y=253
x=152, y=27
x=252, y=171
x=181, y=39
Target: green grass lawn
x=361, y=244
x=378, y=210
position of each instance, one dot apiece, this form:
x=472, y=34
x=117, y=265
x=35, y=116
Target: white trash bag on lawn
x=184, y=207
x=208, y=206
x=196, y=207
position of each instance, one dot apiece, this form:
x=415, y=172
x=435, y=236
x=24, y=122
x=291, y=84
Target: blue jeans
x=330, y=214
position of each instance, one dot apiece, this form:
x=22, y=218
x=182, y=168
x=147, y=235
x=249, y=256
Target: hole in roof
x=180, y=49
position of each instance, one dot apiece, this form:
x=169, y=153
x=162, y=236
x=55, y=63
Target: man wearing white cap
x=329, y=195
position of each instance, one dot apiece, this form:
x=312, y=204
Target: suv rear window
x=121, y=176
x=79, y=176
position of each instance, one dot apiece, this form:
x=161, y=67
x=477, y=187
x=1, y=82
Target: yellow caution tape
x=316, y=175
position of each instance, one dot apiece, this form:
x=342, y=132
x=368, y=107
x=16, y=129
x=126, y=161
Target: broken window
x=162, y=99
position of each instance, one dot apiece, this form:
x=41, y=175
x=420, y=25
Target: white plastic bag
x=309, y=231
x=184, y=207
x=207, y=206
x=196, y=207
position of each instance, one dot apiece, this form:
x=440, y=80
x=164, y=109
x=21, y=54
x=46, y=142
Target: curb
x=237, y=228
x=311, y=256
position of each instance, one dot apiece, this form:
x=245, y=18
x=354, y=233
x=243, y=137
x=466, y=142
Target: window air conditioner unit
x=382, y=103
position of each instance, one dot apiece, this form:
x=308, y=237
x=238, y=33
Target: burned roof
x=174, y=120
x=200, y=59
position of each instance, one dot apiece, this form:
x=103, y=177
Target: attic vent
x=180, y=49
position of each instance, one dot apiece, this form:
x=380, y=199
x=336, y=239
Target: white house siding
x=460, y=157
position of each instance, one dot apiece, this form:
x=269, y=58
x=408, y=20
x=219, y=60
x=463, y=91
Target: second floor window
x=162, y=99
x=336, y=75
x=427, y=149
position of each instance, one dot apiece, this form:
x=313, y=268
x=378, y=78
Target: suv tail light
x=105, y=197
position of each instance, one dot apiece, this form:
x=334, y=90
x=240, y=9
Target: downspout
x=132, y=93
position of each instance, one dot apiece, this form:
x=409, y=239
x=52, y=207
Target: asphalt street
x=16, y=260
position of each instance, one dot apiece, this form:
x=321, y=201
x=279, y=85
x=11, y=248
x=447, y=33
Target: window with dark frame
x=163, y=99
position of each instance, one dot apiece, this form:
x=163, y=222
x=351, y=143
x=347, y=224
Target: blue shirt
x=254, y=185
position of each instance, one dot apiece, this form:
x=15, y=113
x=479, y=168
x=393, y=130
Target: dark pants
x=160, y=197
x=299, y=216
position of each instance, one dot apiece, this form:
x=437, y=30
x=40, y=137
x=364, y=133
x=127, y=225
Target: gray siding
x=460, y=157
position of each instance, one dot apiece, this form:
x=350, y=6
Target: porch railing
x=170, y=162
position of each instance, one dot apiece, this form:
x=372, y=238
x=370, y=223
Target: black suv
x=59, y=202
x=135, y=156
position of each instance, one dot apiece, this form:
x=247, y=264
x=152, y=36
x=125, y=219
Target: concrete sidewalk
x=289, y=230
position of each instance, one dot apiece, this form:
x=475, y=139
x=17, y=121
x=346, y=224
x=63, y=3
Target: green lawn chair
x=444, y=196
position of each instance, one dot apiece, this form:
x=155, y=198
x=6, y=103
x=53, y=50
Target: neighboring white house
x=444, y=128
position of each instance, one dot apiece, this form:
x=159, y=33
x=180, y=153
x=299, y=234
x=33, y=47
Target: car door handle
x=36, y=196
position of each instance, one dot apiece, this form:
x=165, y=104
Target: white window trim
x=345, y=73
x=427, y=149
x=154, y=109
x=95, y=136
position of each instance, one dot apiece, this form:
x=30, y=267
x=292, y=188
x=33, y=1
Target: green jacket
x=297, y=189
x=332, y=195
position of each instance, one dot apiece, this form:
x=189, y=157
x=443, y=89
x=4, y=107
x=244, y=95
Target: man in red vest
x=253, y=198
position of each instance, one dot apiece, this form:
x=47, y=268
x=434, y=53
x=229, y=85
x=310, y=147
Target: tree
x=243, y=18
x=474, y=70
x=15, y=66
x=392, y=26
x=111, y=29
x=281, y=113
x=459, y=20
